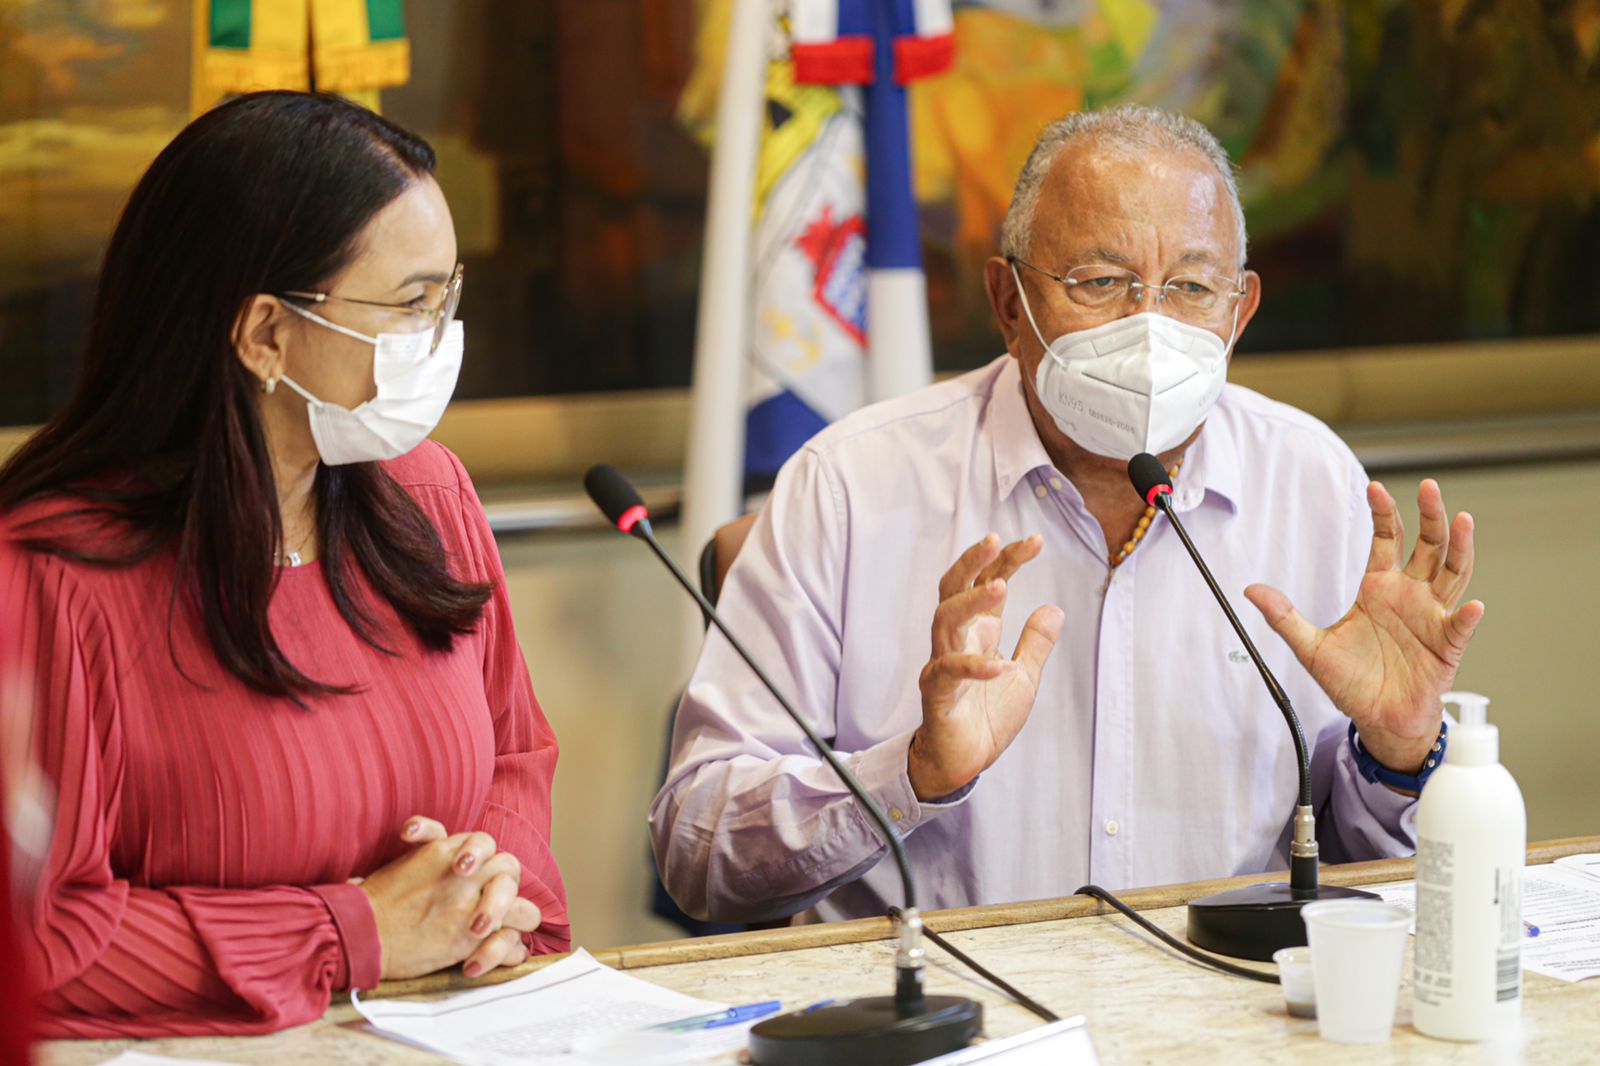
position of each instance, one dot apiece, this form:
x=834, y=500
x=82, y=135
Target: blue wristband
x=1377, y=773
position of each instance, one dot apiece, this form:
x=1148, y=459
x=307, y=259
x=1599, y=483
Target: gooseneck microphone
x=1251, y=922
x=905, y=1028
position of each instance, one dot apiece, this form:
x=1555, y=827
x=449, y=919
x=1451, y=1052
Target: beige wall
x=598, y=618
x=598, y=621
x=1538, y=572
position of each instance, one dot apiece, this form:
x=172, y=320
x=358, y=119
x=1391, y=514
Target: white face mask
x=1142, y=383
x=414, y=388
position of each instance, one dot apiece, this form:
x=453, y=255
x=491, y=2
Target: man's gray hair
x=1125, y=126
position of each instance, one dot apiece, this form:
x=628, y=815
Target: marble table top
x=1144, y=1002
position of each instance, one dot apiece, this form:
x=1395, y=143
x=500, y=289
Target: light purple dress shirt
x=1153, y=753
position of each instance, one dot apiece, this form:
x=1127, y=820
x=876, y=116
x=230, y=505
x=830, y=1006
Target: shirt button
x=896, y=814
x=1112, y=828
x=1055, y=483
x=1040, y=491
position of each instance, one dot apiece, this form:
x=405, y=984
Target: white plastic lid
x=1473, y=741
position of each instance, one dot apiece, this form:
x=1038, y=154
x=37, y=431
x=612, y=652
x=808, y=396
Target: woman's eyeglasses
x=441, y=315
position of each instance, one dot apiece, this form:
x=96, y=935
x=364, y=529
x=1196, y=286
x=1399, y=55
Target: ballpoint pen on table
x=732, y=1016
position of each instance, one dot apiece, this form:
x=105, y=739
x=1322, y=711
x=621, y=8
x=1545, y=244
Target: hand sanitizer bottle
x=1472, y=832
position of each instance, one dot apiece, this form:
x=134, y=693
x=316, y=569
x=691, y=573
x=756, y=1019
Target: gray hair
x=1124, y=126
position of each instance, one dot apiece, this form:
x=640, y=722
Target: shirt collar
x=1018, y=451
x=1210, y=466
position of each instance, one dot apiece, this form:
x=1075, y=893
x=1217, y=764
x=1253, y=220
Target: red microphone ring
x=632, y=517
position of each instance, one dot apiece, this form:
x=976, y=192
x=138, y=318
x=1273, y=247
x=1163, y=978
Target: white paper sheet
x=1403, y=893
x=1063, y=1043
x=1565, y=905
x=538, y=1019
x=140, y=1058
x=1562, y=902
x=1585, y=864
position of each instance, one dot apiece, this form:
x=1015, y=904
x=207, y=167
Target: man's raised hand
x=974, y=700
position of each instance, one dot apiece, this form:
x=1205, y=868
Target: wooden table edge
x=861, y=930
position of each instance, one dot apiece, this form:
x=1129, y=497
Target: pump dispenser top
x=1473, y=741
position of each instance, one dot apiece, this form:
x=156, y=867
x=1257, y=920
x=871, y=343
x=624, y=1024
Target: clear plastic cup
x=1356, y=950
x=1294, y=974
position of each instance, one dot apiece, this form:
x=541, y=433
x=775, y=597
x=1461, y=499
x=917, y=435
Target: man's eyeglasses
x=441, y=315
x=1199, y=298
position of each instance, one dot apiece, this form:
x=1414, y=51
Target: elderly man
x=1128, y=740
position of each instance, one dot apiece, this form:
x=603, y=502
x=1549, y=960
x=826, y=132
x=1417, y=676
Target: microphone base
x=866, y=1030
x=1255, y=921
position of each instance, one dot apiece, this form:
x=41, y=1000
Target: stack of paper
x=574, y=1012
x=140, y=1058
x=1562, y=901
x=1584, y=864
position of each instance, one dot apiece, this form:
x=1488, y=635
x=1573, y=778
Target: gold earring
x=268, y=385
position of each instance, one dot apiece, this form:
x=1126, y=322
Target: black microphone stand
x=1254, y=921
x=907, y=1027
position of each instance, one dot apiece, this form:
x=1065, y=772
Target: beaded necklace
x=1143, y=527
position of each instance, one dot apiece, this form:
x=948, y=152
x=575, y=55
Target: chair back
x=717, y=557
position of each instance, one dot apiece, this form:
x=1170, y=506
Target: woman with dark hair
x=293, y=739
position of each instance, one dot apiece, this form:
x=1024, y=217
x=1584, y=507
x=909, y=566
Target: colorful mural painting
x=1411, y=172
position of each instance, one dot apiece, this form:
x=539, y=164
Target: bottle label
x=1434, y=960
x=1469, y=932
x=1508, y=960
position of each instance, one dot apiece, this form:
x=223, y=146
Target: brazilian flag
x=353, y=47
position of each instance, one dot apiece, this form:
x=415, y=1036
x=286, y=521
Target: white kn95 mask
x=1140, y=383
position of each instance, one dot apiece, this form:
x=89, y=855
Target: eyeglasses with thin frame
x=1098, y=287
x=441, y=315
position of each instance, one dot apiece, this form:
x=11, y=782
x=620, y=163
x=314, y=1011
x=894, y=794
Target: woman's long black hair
x=162, y=437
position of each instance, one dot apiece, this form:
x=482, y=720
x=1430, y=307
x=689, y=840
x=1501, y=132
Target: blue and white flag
x=808, y=328
x=838, y=266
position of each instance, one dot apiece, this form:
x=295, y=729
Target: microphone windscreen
x=616, y=498
x=1149, y=477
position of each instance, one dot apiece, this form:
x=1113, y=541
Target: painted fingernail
x=413, y=828
x=480, y=925
x=467, y=863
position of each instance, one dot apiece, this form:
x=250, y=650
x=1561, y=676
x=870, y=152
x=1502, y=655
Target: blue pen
x=732, y=1016
x=1533, y=930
